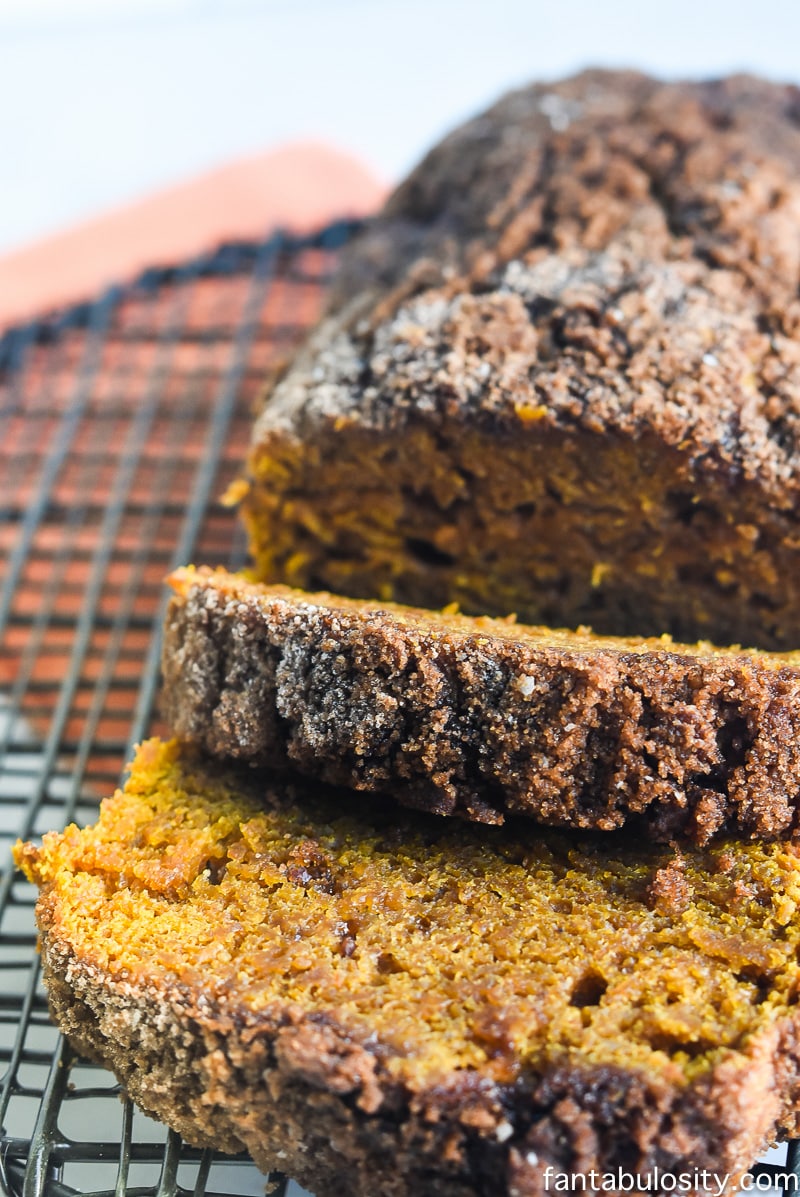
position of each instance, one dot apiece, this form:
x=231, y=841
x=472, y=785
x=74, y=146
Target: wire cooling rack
x=121, y=423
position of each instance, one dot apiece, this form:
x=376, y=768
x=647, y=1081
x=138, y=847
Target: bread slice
x=483, y=717
x=430, y=1009
x=565, y=382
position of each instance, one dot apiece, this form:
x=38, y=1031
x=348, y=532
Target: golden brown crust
x=482, y=718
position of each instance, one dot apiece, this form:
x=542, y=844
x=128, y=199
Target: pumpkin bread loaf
x=560, y=374
x=483, y=717
x=386, y=1012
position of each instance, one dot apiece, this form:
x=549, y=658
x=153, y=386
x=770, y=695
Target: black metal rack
x=121, y=423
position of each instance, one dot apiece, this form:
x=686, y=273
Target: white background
x=104, y=100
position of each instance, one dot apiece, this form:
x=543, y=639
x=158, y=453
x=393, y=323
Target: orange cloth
x=298, y=187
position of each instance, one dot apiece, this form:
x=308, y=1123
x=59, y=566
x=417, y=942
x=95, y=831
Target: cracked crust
x=481, y=718
x=705, y=170
x=560, y=373
x=185, y=948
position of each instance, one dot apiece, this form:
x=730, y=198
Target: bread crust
x=481, y=718
x=585, y=161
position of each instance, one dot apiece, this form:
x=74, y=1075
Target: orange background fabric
x=298, y=187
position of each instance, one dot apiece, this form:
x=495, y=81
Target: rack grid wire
x=122, y=421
